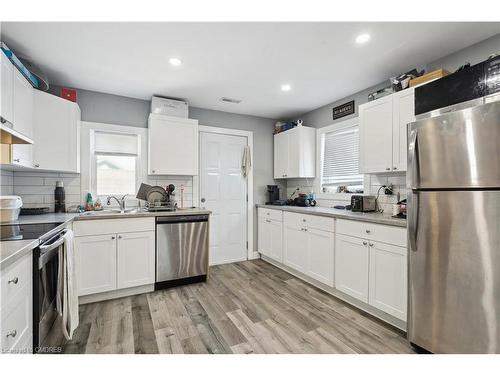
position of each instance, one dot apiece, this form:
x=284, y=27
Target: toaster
x=363, y=203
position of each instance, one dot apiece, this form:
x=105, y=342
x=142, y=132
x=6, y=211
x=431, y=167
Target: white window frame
x=338, y=126
x=88, y=159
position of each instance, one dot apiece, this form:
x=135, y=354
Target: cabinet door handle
x=388, y=169
x=16, y=160
x=37, y=165
x=304, y=220
x=368, y=231
x=153, y=171
x=120, y=237
x=365, y=243
x=14, y=280
x=112, y=237
x=394, y=168
x=371, y=245
x=2, y=120
x=12, y=333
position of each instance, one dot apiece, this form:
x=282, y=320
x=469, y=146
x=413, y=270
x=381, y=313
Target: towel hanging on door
x=246, y=161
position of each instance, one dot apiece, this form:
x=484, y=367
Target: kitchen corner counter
x=11, y=251
x=371, y=217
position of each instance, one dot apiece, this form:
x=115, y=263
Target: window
x=340, y=160
x=115, y=163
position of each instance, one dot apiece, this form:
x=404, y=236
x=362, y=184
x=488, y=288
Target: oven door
x=47, y=325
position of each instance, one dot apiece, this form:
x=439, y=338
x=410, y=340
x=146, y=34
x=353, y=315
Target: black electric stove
x=12, y=232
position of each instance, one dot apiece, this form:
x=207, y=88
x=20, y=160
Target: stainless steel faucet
x=121, y=202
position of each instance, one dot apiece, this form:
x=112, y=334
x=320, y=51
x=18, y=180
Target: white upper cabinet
x=56, y=133
x=403, y=114
x=383, y=132
x=22, y=116
x=295, y=152
x=375, y=123
x=22, y=105
x=173, y=145
x=7, y=88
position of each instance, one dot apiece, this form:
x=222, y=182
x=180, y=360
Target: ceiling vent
x=229, y=100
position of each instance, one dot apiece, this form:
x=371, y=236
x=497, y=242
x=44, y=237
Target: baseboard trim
x=376, y=313
x=116, y=294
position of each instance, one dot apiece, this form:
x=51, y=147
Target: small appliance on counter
x=303, y=200
x=10, y=206
x=273, y=194
x=59, y=197
x=363, y=203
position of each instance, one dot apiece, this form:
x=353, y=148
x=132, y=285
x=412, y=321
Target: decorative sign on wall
x=343, y=110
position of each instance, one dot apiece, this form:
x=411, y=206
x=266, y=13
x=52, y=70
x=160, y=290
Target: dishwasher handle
x=181, y=219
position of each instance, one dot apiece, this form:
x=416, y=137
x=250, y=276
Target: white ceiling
x=246, y=61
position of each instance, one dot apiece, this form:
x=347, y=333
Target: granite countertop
x=371, y=217
x=10, y=251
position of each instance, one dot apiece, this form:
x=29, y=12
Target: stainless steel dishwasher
x=181, y=250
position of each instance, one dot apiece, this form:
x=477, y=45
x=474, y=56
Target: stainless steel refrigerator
x=454, y=229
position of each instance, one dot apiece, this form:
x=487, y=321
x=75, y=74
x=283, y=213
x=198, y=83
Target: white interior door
x=223, y=190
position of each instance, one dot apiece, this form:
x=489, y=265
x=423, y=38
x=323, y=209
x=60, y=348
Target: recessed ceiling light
x=362, y=38
x=174, y=61
x=286, y=87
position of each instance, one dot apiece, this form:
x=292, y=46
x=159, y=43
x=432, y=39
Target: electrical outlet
x=389, y=190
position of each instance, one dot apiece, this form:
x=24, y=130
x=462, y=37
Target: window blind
x=341, y=158
x=116, y=143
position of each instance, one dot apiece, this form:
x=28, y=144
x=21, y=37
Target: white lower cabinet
x=363, y=260
x=295, y=251
x=270, y=234
x=112, y=260
x=351, y=266
x=16, y=309
x=320, y=251
x=95, y=263
x=307, y=249
x=388, y=278
x=135, y=259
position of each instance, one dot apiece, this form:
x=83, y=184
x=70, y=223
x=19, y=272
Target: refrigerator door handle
x=413, y=167
x=413, y=219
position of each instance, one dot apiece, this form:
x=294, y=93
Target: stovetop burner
x=13, y=232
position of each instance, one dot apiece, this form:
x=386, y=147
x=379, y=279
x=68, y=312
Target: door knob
x=202, y=200
x=14, y=280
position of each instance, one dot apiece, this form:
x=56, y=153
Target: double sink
x=113, y=212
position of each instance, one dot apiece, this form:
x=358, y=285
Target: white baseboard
x=116, y=294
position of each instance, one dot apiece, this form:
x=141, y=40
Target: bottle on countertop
x=59, y=197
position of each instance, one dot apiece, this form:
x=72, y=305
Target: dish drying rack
x=160, y=206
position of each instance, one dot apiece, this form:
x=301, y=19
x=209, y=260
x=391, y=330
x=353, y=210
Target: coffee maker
x=273, y=194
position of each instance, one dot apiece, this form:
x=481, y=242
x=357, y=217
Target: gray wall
x=323, y=116
x=476, y=53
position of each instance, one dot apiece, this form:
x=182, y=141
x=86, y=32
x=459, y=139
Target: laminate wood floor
x=247, y=307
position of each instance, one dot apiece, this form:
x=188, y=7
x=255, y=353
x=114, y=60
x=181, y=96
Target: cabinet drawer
x=319, y=222
x=293, y=219
x=15, y=279
x=16, y=320
x=109, y=226
x=271, y=214
x=376, y=232
x=310, y=221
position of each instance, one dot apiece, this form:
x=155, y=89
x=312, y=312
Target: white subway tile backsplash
x=28, y=181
